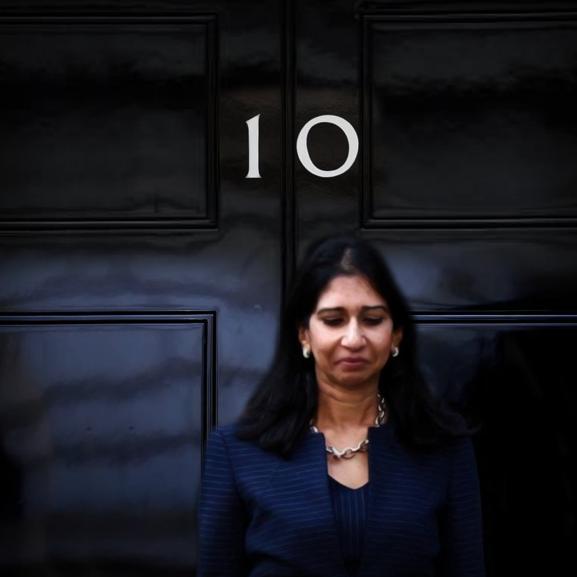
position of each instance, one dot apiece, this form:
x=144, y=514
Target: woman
x=342, y=462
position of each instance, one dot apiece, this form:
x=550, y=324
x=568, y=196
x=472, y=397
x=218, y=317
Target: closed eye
x=373, y=321
x=332, y=322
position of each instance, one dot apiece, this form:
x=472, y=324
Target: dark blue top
x=261, y=515
x=350, y=507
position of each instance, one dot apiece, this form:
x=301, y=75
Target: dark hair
x=277, y=414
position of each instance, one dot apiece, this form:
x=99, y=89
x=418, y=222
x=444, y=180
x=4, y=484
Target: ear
x=304, y=336
x=397, y=336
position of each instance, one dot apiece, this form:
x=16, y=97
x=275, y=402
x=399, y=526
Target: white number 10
x=302, y=146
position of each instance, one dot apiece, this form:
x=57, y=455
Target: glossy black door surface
x=142, y=272
x=466, y=182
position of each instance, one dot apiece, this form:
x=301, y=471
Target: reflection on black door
x=142, y=273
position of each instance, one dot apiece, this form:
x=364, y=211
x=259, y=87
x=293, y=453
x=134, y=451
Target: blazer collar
x=306, y=473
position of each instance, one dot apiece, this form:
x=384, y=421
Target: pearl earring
x=306, y=351
x=395, y=352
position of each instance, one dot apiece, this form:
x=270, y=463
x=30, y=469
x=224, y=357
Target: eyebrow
x=341, y=309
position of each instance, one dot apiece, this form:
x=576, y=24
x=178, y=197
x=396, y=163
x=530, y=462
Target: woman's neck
x=342, y=409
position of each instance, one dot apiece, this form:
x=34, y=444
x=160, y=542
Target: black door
x=142, y=271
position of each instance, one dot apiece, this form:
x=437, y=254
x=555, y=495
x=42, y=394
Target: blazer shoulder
x=463, y=444
x=224, y=431
x=226, y=435
x=223, y=436
x=460, y=452
x=456, y=444
x=251, y=464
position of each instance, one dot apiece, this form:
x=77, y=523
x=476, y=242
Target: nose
x=353, y=337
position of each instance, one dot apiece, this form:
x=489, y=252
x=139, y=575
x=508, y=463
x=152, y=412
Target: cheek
x=384, y=342
x=322, y=343
x=320, y=336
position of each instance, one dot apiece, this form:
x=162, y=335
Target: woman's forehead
x=346, y=291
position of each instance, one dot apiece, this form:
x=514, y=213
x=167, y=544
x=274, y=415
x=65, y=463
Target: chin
x=350, y=380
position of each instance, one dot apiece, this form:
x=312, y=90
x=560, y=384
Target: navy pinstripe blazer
x=264, y=516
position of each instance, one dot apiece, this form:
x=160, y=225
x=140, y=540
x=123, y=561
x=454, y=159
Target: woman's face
x=350, y=333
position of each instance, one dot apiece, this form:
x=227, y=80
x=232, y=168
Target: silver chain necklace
x=363, y=446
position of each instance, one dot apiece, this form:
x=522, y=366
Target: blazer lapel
x=304, y=479
x=381, y=440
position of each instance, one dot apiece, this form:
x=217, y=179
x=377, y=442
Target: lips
x=353, y=361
